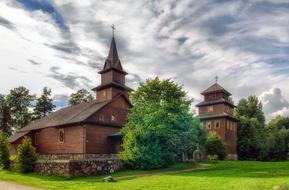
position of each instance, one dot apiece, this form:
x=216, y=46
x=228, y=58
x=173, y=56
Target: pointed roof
x=215, y=88
x=112, y=61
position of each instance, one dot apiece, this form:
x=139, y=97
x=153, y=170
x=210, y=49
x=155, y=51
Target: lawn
x=221, y=175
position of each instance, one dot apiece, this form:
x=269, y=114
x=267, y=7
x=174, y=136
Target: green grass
x=221, y=175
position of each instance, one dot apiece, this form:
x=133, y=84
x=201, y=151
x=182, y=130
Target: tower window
x=210, y=109
x=104, y=94
x=101, y=117
x=113, y=117
x=217, y=124
x=209, y=124
x=61, y=135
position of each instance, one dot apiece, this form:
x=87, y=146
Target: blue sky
x=62, y=44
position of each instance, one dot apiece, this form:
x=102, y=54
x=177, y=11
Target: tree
x=26, y=156
x=4, y=152
x=19, y=100
x=44, y=104
x=277, y=139
x=215, y=146
x=79, y=97
x=5, y=117
x=251, y=130
x=160, y=126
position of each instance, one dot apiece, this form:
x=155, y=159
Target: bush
x=4, y=152
x=215, y=146
x=26, y=156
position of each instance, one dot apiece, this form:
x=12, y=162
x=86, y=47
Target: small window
x=101, y=117
x=209, y=124
x=113, y=117
x=217, y=124
x=36, y=136
x=104, y=94
x=61, y=135
x=210, y=109
x=228, y=124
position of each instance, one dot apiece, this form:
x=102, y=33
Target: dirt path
x=12, y=186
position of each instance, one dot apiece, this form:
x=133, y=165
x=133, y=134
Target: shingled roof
x=215, y=88
x=68, y=115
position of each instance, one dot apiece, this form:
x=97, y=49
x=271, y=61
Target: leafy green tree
x=4, y=152
x=5, y=117
x=44, y=104
x=277, y=139
x=19, y=100
x=251, y=130
x=160, y=126
x=215, y=146
x=79, y=97
x=26, y=156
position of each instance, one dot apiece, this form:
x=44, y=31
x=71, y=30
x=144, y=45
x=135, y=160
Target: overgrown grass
x=220, y=175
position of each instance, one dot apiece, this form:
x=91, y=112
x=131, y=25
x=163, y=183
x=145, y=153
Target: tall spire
x=112, y=61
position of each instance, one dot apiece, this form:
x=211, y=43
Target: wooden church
x=87, y=128
x=216, y=112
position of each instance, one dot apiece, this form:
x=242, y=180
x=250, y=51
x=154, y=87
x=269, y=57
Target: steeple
x=112, y=61
x=112, y=76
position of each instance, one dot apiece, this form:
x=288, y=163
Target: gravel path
x=12, y=186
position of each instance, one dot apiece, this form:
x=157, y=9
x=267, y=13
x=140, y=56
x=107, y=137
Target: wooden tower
x=216, y=112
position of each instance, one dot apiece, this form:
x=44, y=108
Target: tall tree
x=5, y=117
x=160, y=126
x=44, y=104
x=19, y=100
x=251, y=130
x=80, y=96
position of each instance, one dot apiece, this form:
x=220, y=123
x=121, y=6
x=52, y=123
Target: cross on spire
x=216, y=78
x=113, y=29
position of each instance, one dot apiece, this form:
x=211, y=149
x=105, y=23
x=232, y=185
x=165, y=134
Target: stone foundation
x=78, y=167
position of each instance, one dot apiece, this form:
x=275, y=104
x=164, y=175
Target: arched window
x=217, y=124
x=61, y=135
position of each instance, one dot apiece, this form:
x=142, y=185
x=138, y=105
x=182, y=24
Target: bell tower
x=112, y=76
x=216, y=112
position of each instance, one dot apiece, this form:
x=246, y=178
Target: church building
x=88, y=128
x=216, y=112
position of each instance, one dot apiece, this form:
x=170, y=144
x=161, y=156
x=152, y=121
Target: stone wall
x=83, y=167
x=76, y=156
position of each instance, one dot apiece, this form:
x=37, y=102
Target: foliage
x=25, y=156
x=277, y=139
x=19, y=100
x=44, y=104
x=215, y=146
x=4, y=152
x=251, y=130
x=5, y=117
x=79, y=97
x=160, y=126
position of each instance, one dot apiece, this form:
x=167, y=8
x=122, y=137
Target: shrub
x=215, y=146
x=4, y=152
x=26, y=156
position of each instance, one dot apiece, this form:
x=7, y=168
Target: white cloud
x=190, y=41
x=274, y=103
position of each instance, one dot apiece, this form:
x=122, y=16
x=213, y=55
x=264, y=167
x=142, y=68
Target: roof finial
x=216, y=78
x=113, y=29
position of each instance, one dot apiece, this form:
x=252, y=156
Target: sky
x=62, y=44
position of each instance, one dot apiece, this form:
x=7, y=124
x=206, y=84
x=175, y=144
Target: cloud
x=274, y=103
x=72, y=81
x=60, y=100
x=6, y=23
x=34, y=62
x=245, y=43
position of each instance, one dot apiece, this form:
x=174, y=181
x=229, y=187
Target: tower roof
x=215, y=88
x=112, y=61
